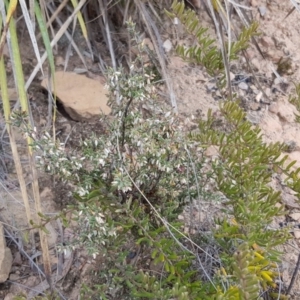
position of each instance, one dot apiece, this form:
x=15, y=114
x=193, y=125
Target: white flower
x=82, y=192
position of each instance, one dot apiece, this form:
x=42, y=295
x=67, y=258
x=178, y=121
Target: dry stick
x=103, y=7
x=294, y=276
x=68, y=35
x=157, y=43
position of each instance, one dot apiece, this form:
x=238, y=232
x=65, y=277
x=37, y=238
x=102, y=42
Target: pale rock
x=258, y=96
x=279, y=80
x=80, y=70
x=286, y=111
x=167, y=45
x=212, y=151
x=297, y=234
x=242, y=93
x=274, y=55
x=83, y=98
x=256, y=63
x=5, y=257
x=267, y=42
x=59, y=61
x=243, y=85
x=254, y=89
x=268, y=92
x=254, y=106
x=295, y=216
x=273, y=108
x=262, y=10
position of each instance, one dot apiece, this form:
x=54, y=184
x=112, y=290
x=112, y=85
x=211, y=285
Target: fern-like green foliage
x=243, y=171
x=205, y=52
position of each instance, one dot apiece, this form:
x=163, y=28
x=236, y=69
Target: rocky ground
x=263, y=95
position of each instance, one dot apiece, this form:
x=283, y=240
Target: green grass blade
x=17, y=66
x=45, y=35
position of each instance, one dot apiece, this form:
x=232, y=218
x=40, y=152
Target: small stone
x=59, y=61
x=267, y=42
x=273, y=108
x=14, y=277
x=297, y=234
x=232, y=76
x=258, y=96
x=274, y=55
x=254, y=106
x=243, y=86
x=262, y=10
x=279, y=80
x=256, y=63
x=167, y=45
x=212, y=151
x=268, y=92
x=211, y=87
x=295, y=216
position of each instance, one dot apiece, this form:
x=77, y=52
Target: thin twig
x=294, y=276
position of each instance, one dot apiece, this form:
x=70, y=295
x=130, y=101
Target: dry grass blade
x=31, y=30
x=68, y=35
x=20, y=84
x=6, y=17
x=58, y=35
x=157, y=43
x=103, y=9
x=16, y=157
x=216, y=11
